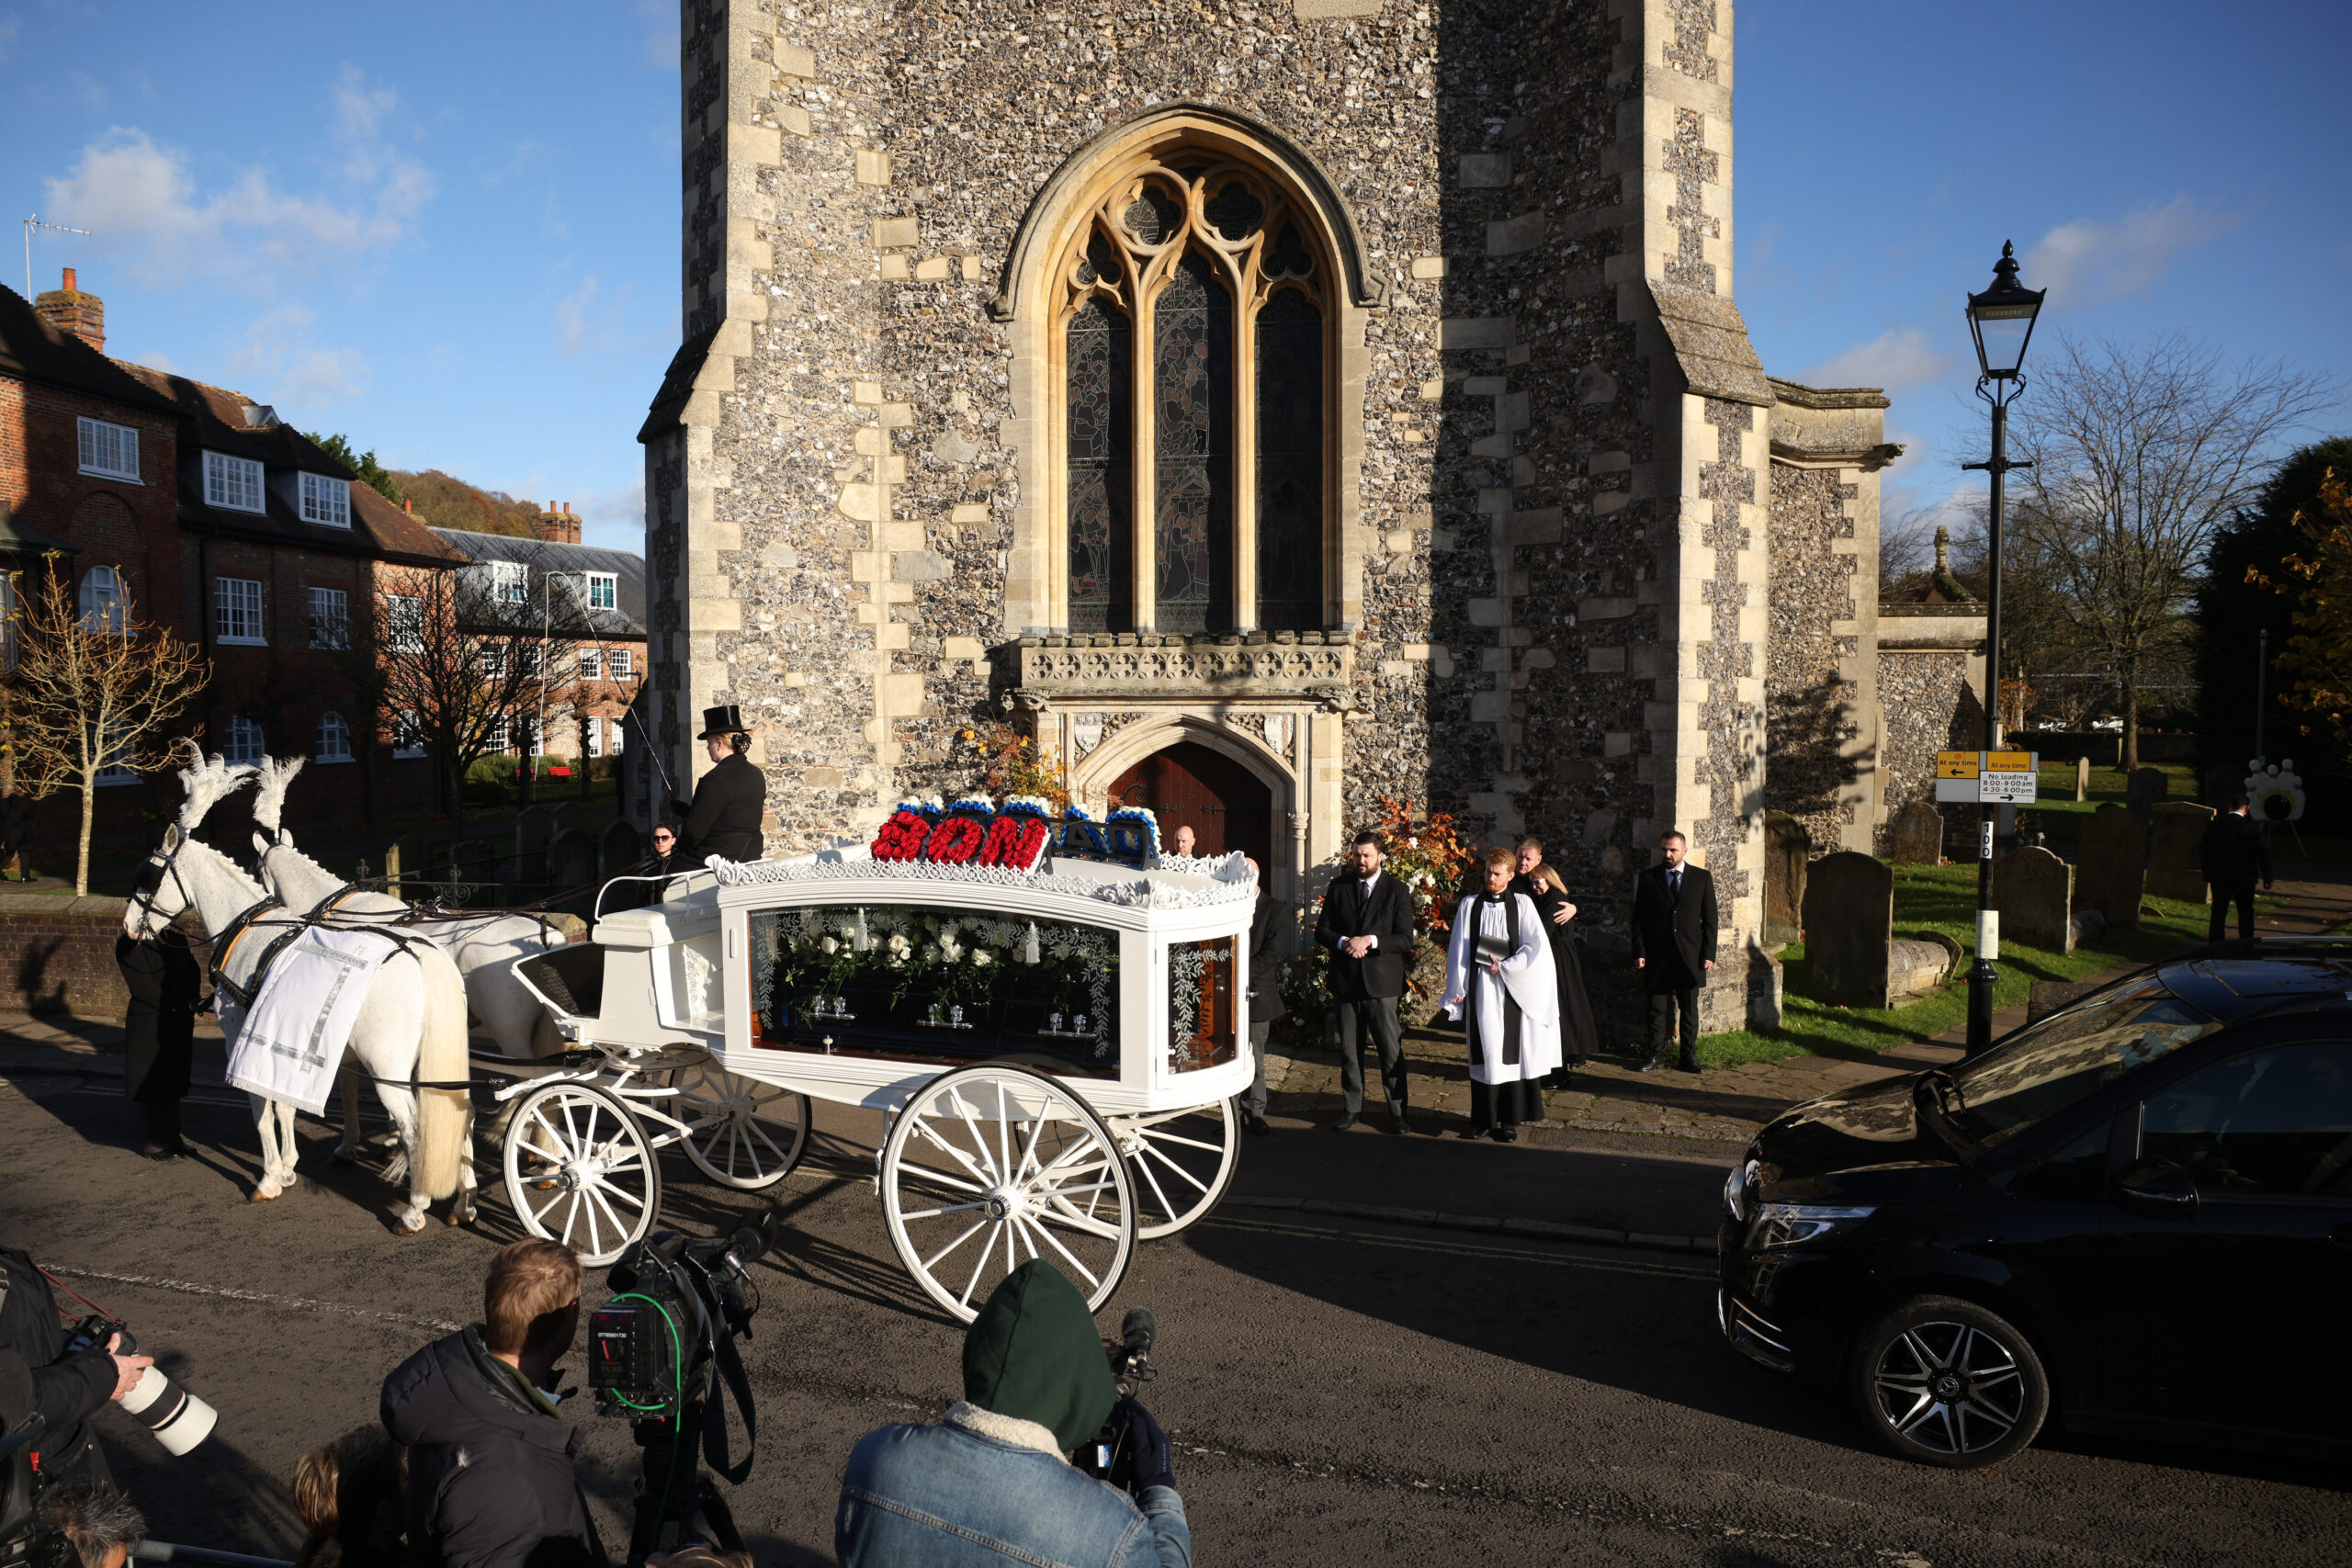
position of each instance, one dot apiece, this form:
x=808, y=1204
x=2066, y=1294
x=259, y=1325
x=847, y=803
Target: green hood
x=1032, y=1354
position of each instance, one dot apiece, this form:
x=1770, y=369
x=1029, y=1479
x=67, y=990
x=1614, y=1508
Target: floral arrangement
x=1135, y=836
x=1082, y=833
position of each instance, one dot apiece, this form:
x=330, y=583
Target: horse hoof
x=261, y=1197
x=408, y=1227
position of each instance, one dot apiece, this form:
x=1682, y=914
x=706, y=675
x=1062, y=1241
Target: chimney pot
x=71, y=310
x=69, y=281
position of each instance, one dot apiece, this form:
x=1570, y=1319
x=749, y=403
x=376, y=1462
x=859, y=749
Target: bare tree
x=2139, y=454
x=93, y=691
x=460, y=665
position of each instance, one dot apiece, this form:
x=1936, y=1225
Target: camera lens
x=177, y=1418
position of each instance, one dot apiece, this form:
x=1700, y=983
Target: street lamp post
x=2001, y=321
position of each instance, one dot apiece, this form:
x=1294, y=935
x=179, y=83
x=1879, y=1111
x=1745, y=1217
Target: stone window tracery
x=1193, y=315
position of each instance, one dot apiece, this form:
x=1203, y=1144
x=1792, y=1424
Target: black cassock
x=159, y=1030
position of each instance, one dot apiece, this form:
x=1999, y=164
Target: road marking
x=1459, y=1248
x=188, y=1287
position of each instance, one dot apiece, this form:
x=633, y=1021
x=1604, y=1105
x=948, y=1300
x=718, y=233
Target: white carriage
x=1056, y=1053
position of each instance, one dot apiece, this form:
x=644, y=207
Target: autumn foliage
x=2318, y=577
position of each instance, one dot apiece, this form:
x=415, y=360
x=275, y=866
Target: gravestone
x=2108, y=866
x=571, y=862
x=2143, y=789
x=622, y=847
x=2176, y=846
x=1787, y=847
x=534, y=827
x=1915, y=836
x=2034, y=891
x=2083, y=777
x=1849, y=921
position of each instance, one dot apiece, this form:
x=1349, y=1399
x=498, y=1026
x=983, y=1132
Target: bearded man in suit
x=1673, y=946
x=1367, y=924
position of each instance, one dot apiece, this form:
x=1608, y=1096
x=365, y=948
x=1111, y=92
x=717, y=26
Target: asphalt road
x=1340, y=1394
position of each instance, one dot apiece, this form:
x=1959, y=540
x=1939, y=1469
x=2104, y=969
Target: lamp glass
x=2001, y=333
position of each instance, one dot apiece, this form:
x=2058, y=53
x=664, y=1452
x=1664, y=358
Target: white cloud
x=1898, y=357
x=573, y=333
x=157, y=359
x=2089, y=260
x=615, y=519
x=141, y=200
x=279, y=364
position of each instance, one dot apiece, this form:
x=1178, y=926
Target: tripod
x=676, y=1490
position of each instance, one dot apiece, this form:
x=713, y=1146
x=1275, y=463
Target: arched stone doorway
x=1228, y=807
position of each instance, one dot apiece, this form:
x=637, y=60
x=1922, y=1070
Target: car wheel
x=1944, y=1381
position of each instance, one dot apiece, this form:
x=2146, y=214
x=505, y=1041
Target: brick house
x=226, y=525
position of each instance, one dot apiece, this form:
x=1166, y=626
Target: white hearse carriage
x=1056, y=1050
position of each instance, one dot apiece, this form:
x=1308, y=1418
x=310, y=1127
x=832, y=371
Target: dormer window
x=232, y=483
x=603, y=590
x=326, y=501
x=510, y=581
x=111, y=451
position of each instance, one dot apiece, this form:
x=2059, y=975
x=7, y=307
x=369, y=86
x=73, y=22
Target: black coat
x=723, y=819
x=1676, y=936
x=2234, y=854
x=67, y=1389
x=159, y=1030
x=490, y=1478
x=1266, y=930
x=1578, y=1036
x=1388, y=916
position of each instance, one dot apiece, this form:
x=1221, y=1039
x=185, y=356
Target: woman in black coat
x=1577, y=1034
x=159, y=1033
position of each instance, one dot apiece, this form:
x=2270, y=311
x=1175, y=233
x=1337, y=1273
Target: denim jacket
x=985, y=1490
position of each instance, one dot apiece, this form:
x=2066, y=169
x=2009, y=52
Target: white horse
x=483, y=947
x=411, y=1025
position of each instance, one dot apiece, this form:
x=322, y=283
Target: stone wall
x=1930, y=705
x=63, y=950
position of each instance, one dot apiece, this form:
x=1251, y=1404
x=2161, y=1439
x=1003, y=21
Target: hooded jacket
x=989, y=1484
x=490, y=1479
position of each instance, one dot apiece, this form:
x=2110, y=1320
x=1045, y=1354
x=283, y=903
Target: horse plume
x=208, y=781
x=269, y=795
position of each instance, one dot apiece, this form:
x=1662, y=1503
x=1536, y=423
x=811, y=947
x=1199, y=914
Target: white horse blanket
x=289, y=1044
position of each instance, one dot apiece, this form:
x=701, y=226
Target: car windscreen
x=2067, y=1057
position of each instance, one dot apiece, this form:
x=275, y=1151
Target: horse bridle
x=150, y=882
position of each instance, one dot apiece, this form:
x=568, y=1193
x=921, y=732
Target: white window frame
x=243, y=742
x=99, y=600
x=408, y=736
x=330, y=618
x=498, y=736
x=228, y=618
x=229, y=481
x=114, y=772
x=332, y=729
x=591, y=663
x=603, y=590
x=595, y=738
x=493, y=660
x=404, y=620
x=510, y=581
x=616, y=745
x=619, y=666
x=326, y=501
x=99, y=440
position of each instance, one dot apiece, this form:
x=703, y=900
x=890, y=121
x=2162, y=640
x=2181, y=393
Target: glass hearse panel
x=936, y=984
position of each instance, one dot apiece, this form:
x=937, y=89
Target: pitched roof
x=540, y=557
x=1711, y=344
x=32, y=348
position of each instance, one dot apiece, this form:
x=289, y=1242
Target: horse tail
x=443, y=1116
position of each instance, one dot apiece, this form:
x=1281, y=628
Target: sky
x=451, y=231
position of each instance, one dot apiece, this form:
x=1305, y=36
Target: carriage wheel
x=1183, y=1161
x=989, y=1166
x=740, y=1132
x=581, y=1170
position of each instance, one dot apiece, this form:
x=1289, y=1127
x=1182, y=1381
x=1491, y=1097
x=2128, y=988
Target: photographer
x=489, y=1477
x=69, y=1389
x=98, y=1522
x=991, y=1482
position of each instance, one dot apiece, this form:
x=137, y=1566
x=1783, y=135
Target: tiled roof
x=30, y=347
x=540, y=557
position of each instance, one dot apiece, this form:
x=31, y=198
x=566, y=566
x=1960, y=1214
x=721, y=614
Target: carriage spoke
x=1003, y=1140
x=937, y=1258
x=952, y=1151
x=1145, y=1172
x=760, y=1132
x=1055, y=1242
x=987, y=1253
x=1188, y=1143
x=934, y=1214
x=1197, y=1184
x=980, y=1139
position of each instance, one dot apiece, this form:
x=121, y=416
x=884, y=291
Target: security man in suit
x=2232, y=857
x=1673, y=946
x=1367, y=924
x=1267, y=926
x=723, y=818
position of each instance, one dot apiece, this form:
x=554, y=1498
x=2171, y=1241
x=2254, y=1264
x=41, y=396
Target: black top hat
x=722, y=721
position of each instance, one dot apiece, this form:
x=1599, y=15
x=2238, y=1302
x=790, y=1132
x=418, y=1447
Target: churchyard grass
x=2061, y=816
x=1943, y=898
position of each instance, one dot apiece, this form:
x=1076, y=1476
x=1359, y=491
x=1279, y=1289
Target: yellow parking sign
x=1959, y=764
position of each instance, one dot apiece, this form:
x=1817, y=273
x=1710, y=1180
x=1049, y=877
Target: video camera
x=657, y=1354
x=1111, y=1457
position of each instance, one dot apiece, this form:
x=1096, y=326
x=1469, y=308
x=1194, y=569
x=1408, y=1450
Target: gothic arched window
x=1192, y=310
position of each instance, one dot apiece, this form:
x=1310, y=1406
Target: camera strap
x=727, y=1364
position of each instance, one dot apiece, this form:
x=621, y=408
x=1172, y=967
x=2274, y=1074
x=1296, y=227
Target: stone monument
x=1787, y=850
x=2034, y=891
x=1915, y=836
x=2083, y=776
x=2145, y=787
x=1849, y=921
x=2176, y=846
x=2108, y=866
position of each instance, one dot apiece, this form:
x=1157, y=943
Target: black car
x=2135, y=1212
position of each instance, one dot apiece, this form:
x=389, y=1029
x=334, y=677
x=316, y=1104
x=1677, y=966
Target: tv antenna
x=32, y=224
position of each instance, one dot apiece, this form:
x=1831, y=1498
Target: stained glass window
x=1192, y=425
x=1290, y=463
x=1101, y=458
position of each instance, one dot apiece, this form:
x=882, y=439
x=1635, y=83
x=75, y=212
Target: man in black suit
x=723, y=819
x=2231, y=856
x=1367, y=924
x=1673, y=946
x=1267, y=927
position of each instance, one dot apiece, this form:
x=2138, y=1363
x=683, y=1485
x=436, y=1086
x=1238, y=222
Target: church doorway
x=1226, y=806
